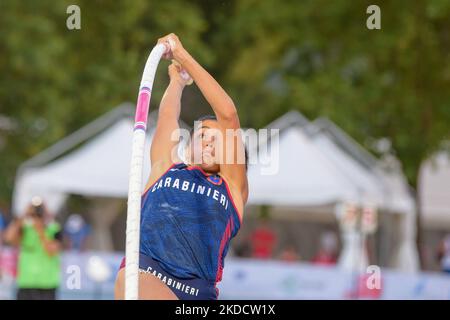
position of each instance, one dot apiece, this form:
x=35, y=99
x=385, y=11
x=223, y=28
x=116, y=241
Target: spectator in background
x=76, y=233
x=444, y=254
x=327, y=254
x=263, y=240
x=2, y=221
x=289, y=254
x=2, y=228
x=38, y=237
x=243, y=249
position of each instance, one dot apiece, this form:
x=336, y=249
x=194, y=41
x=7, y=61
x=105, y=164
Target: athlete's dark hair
x=211, y=117
x=207, y=117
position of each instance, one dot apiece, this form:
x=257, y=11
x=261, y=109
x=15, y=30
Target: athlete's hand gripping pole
x=170, y=43
x=135, y=182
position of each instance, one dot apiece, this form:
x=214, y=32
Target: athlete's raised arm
x=232, y=167
x=165, y=139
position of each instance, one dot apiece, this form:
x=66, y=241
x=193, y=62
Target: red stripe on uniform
x=225, y=238
x=232, y=202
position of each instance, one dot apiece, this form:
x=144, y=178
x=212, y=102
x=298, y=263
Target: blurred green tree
x=54, y=80
x=319, y=57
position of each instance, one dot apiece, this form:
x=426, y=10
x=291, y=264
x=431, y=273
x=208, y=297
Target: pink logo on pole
x=142, y=108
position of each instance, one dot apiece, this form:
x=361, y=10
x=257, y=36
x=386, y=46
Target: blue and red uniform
x=187, y=221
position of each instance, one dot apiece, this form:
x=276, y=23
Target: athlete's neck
x=209, y=173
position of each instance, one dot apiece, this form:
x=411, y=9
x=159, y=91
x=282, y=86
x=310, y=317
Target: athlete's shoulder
x=159, y=169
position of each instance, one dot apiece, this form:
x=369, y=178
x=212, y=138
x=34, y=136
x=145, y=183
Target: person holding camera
x=38, y=237
x=2, y=228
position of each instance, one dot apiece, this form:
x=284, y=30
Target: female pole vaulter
x=190, y=210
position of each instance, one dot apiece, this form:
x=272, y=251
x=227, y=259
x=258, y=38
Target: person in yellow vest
x=38, y=237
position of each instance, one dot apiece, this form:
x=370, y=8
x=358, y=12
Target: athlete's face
x=205, y=140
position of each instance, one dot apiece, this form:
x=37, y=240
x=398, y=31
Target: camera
x=38, y=207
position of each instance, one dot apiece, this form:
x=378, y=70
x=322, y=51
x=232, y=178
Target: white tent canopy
x=381, y=181
x=434, y=191
x=367, y=186
x=312, y=170
x=99, y=168
x=305, y=177
x=320, y=166
x=315, y=170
